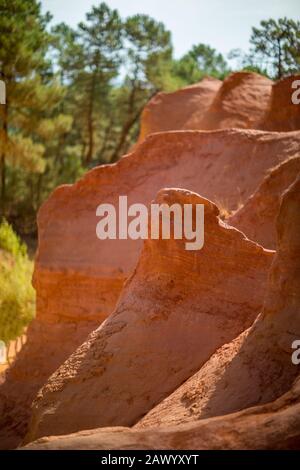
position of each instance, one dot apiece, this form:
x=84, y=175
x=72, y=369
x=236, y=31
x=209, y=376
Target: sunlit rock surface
x=182, y=109
x=256, y=367
x=177, y=308
x=273, y=426
x=79, y=278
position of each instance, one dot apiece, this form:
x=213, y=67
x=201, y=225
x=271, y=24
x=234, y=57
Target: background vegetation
x=17, y=296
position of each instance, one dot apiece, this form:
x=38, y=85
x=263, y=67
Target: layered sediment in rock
x=78, y=278
x=283, y=114
x=272, y=426
x=256, y=367
x=182, y=109
x=257, y=217
x=178, y=307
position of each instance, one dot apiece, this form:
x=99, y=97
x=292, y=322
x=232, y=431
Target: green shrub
x=17, y=296
x=9, y=240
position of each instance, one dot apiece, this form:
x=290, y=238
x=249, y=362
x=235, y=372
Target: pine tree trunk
x=125, y=131
x=7, y=352
x=128, y=124
x=90, y=123
x=107, y=134
x=280, y=71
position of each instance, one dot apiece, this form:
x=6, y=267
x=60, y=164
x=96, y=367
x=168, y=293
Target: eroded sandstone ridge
x=257, y=217
x=244, y=100
x=254, y=369
x=78, y=278
x=69, y=252
x=182, y=109
x=178, y=307
x=283, y=114
x=272, y=426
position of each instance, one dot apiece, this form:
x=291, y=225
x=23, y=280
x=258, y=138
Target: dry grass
x=224, y=211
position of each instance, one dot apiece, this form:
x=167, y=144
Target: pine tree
x=32, y=92
x=89, y=60
x=278, y=43
x=147, y=54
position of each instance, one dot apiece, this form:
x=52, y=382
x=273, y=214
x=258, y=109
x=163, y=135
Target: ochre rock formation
x=256, y=367
x=272, y=426
x=178, y=307
x=257, y=217
x=244, y=100
x=241, y=102
x=78, y=278
x=283, y=114
x=76, y=289
x=182, y=109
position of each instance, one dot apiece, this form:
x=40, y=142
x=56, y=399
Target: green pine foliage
x=277, y=44
x=31, y=117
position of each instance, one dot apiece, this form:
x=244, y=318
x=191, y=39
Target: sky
x=223, y=24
